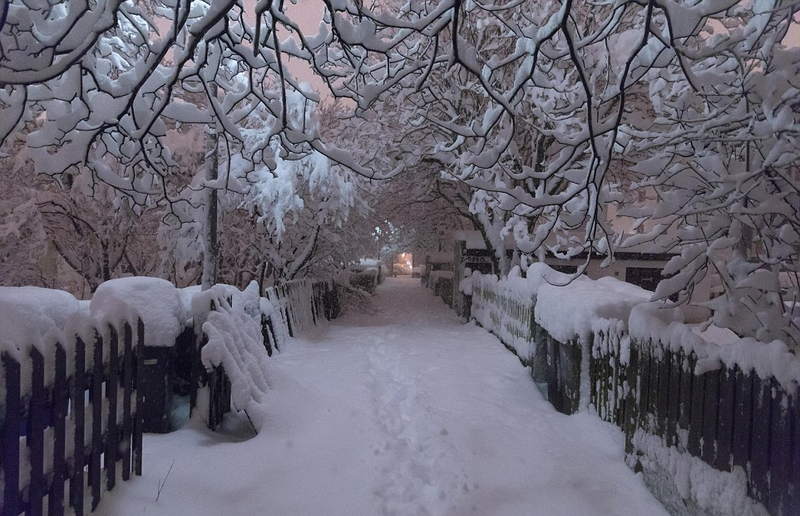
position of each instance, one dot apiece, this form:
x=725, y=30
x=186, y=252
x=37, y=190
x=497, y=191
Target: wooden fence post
x=698, y=402
x=11, y=426
x=139, y=422
x=111, y=437
x=634, y=379
x=743, y=428
x=760, y=441
x=685, y=400
x=663, y=360
x=643, y=408
x=726, y=413
x=653, y=387
x=79, y=416
x=674, y=403
x=127, y=395
x=783, y=413
x=35, y=434
x=60, y=406
x=96, y=396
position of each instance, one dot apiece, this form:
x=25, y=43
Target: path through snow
x=406, y=412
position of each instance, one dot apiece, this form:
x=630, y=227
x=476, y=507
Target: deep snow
x=403, y=412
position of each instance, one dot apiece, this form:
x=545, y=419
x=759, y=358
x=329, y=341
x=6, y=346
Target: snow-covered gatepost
x=470, y=255
x=712, y=420
x=71, y=375
x=165, y=315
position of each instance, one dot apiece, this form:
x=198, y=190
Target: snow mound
x=27, y=314
x=155, y=300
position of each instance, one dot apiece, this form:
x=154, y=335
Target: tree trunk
x=211, y=229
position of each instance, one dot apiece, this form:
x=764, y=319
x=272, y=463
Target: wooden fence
x=72, y=429
x=726, y=417
x=299, y=305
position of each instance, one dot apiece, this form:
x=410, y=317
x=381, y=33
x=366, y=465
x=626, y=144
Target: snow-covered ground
x=405, y=412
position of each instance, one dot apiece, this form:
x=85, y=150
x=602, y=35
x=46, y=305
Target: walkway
x=405, y=412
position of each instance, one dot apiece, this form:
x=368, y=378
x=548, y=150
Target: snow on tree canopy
x=155, y=300
x=28, y=313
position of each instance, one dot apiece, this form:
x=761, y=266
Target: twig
x=162, y=484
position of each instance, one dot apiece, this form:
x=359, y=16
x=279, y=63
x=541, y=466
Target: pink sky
x=308, y=15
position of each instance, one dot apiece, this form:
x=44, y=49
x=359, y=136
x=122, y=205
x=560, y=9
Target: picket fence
x=69, y=423
x=299, y=305
x=727, y=417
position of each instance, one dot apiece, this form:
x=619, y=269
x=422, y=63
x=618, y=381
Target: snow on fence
x=720, y=422
x=238, y=331
x=442, y=284
x=74, y=376
x=69, y=402
x=506, y=312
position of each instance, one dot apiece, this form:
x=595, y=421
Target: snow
x=567, y=312
x=28, y=313
x=471, y=239
x=403, y=412
x=437, y=275
x=156, y=301
x=513, y=326
x=34, y=317
x=235, y=342
x=441, y=257
x=716, y=347
x=718, y=492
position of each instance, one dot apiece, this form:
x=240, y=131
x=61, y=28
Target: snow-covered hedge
x=235, y=327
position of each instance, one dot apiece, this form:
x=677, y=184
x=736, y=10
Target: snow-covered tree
x=537, y=106
x=722, y=156
x=70, y=232
x=301, y=203
x=715, y=137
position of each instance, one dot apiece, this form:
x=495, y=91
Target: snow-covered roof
x=472, y=239
x=442, y=257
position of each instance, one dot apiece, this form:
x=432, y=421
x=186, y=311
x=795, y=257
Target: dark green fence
x=727, y=417
x=79, y=425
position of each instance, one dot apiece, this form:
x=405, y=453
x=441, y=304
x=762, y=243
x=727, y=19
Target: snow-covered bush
x=231, y=322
